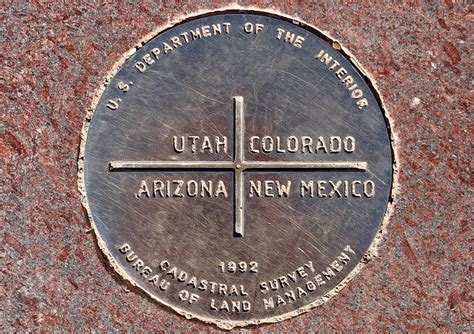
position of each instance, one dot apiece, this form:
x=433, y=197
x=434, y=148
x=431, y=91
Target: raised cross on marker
x=238, y=166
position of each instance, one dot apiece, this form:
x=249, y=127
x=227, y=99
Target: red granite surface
x=55, y=55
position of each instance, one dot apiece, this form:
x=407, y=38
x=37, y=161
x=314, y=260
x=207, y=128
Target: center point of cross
x=238, y=166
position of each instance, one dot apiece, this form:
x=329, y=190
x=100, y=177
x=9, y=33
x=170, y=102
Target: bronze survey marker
x=237, y=168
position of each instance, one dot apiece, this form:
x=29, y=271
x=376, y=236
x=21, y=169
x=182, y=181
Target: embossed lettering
x=303, y=144
x=186, y=296
x=337, y=188
x=230, y=306
x=181, y=188
x=209, y=144
x=289, y=37
x=197, y=33
x=347, y=80
x=113, y=104
x=251, y=28
x=268, y=189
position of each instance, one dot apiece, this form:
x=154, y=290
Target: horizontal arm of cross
x=120, y=165
x=247, y=165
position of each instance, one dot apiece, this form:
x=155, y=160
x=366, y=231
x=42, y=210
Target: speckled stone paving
x=54, y=57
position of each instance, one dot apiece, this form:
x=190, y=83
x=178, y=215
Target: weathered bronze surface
x=238, y=168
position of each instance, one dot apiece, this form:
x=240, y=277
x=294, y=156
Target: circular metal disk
x=237, y=168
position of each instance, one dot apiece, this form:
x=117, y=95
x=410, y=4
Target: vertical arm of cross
x=238, y=159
